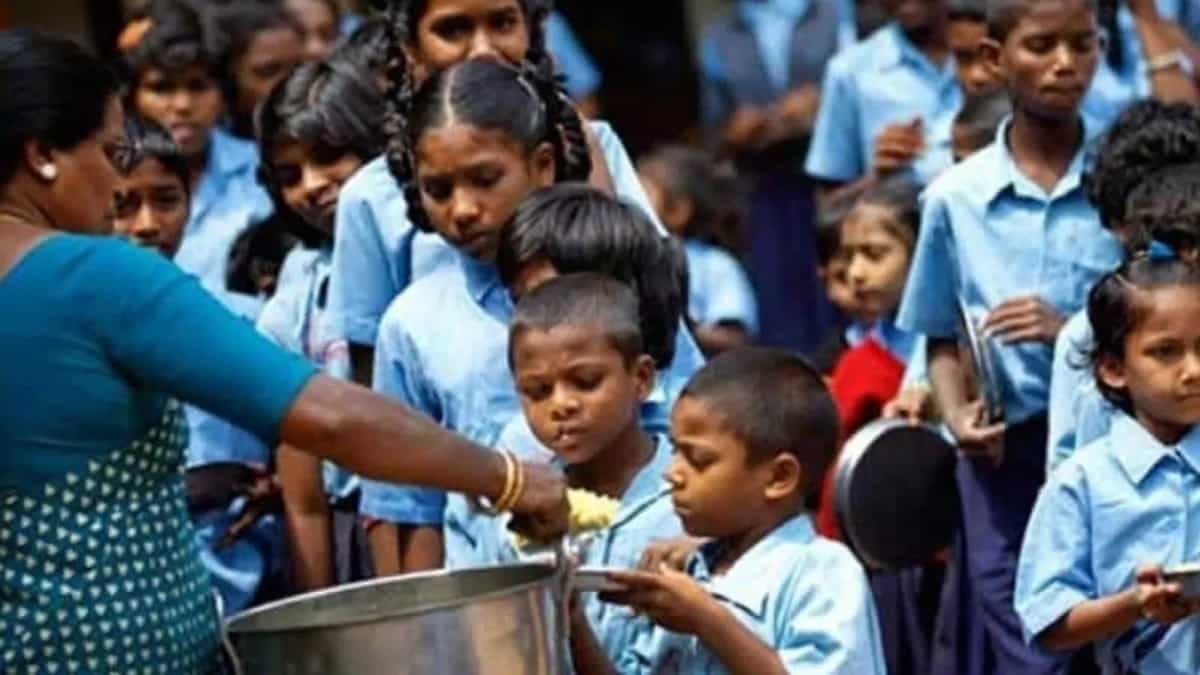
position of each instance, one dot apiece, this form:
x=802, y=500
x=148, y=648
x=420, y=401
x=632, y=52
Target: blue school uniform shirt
x=773, y=24
x=880, y=81
x=292, y=320
x=443, y=350
x=227, y=200
x=1124, y=501
x=1078, y=413
x=378, y=252
x=806, y=597
x=573, y=61
x=989, y=234
x=718, y=288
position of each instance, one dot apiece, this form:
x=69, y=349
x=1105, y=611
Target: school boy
x=754, y=431
x=880, y=98
x=1011, y=232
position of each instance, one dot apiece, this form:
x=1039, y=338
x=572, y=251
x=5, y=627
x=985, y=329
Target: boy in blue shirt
x=582, y=373
x=881, y=96
x=754, y=432
x=1011, y=233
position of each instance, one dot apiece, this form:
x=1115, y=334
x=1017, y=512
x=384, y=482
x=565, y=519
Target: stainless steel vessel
x=493, y=621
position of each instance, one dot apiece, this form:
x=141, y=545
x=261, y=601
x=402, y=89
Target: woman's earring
x=49, y=172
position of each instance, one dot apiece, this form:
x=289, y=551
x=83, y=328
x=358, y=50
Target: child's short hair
x=773, y=401
x=899, y=196
x=263, y=245
x=1165, y=207
x=577, y=228
x=1004, y=15
x=968, y=10
x=149, y=140
x=1147, y=136
x=717, y=195
x=981, y=116
x=1113, y=313
x=581, y=299
x=174, y=41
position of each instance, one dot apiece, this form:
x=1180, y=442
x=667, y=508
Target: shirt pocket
x=1127, y=534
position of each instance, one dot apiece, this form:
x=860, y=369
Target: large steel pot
x=493, y=621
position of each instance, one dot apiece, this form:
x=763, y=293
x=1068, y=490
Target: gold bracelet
x=510, y=483
x=518, y=486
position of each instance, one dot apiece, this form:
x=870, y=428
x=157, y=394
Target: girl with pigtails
x=380, y=250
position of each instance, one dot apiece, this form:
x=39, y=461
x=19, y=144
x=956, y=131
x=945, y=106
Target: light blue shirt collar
x=1138, y=452
x=483, y=281
x=1000, y=171
x=227, y=158
x=647, y=486
x=743, y=584
x=772, y=22
x=897, y=49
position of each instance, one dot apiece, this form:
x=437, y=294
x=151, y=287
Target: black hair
x=147, y=139
x=717, y=195
x=968, y=10
x=175, y=40
x=402, y=18
x=900, y=197
x=1165, y=207
x=1004, y=15
x=1114, y=313
x=830, y=213
x=981, y=116
x=366, y=47
x=582, y=299
x=773, y=401
x=51, y=91
x=521, y=102
x=1147, y=136
x=330, y=106
x=577, y=228
x=232, y=26
x=265, y=243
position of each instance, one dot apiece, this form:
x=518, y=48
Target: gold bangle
x=510, y=482
x=518, y=485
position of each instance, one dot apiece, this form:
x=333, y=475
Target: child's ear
x=991, y=52
x=644, y=374
x=1111, y=372
x=785, y=478
x=543, y=166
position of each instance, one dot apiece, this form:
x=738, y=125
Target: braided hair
x=401, y=18
x=525, y=103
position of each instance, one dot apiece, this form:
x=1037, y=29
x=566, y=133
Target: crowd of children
x=415, y=198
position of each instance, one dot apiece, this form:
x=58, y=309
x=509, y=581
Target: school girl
x=316, y=128
x=378, y=252
x=1118, y=514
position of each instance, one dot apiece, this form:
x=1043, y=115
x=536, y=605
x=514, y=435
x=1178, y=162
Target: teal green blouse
x=96, y=334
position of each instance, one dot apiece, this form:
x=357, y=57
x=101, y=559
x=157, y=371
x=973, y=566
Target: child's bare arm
x=1094, y=620
x=307, y=517
x=947, y=377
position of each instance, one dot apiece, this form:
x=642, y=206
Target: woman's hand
x=541, y=513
